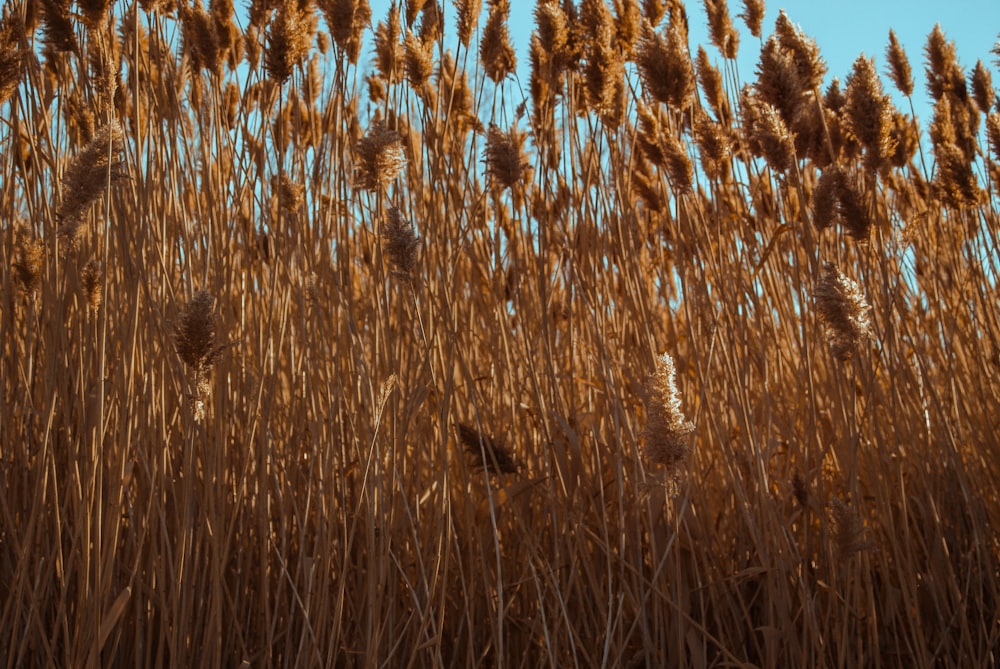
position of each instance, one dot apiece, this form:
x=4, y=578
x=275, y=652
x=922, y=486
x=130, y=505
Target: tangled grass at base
x=328, y=340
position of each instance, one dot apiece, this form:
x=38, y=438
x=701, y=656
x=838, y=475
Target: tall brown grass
x=325, y=345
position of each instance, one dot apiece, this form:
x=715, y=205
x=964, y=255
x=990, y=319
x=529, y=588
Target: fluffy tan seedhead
x=380, y=157
x=666, y=433
x=844, y=311
x=402, y=245
x=29, y=259
x=496, y=51
x=899, y=66
x=665, y=66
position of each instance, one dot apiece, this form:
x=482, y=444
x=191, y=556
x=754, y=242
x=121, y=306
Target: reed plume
x=899, y=66
x=468, y=12
x=289, y=36
x=837, y=200
x=505, y=162
x=11, y=53
x=93, y=284
x=380, y=157
x=402, y=245
x=842, y=307
x=346, y=20
x=849, y=531
x=95, y=167
x=196, y=340
x=753, y=15
x=982, y=88
x=720, y=28
x=666, y=432
x=665, y=66
x=487, y=453
x=495, y=50
x=388, y=48
x=29, y=258
x=868, y=113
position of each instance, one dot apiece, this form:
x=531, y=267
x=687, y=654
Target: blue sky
x=843, y=29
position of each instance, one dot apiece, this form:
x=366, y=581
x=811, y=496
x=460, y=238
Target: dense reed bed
x=328, y=340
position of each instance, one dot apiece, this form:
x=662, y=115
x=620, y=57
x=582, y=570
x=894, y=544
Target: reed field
x=332, y=339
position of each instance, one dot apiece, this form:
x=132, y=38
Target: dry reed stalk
x=844, y=311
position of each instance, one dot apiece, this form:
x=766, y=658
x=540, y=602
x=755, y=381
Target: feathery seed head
x=665, y=66
x=804, y=50
x=993, y=134
x=486, y=452
x=504, y=160
x=380, y=157
x=468, y=16
x=29, y=257
x=778, y=81
x=849, y=532
x=195, y=334
x=418, y=62
x=666, y=432
x=899, y=65
x=495, y=50
x=720, y=28
x=982, y=87
x=713, y=88
x=766, y=133
x=868, y=113
x=753, y=15
x=289, y=37
x=11, y=53
x=346, y=20
x=844, y=311
x=92, y=282
x=944, y=74
x=402, y=244
x=87, y=177
x=388, y=49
